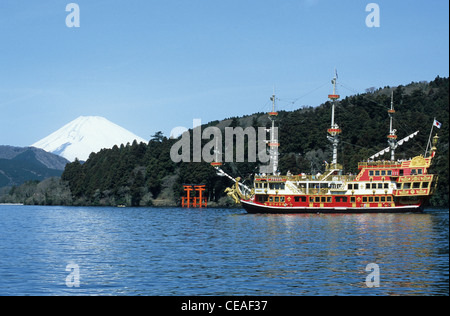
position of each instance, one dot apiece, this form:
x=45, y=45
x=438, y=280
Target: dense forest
x=144, y=174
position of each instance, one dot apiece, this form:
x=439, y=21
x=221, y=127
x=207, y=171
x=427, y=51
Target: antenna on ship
x=273, y=144
x=392, y=138
x=334, y=130
x=217, y=155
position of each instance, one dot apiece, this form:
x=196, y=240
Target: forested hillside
x=144, y=174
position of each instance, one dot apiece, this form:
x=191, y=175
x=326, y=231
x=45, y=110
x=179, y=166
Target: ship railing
x=334, y=166
x=321, y=191
x=294, y=188
x=303, y=178
x=380, y=164
x=327, y=177
x=309, y=191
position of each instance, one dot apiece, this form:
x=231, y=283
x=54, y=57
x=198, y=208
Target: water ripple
x=150, y=251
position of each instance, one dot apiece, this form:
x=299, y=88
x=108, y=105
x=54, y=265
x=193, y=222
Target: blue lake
x=175, y=251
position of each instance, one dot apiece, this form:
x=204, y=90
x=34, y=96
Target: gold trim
x=419, y=161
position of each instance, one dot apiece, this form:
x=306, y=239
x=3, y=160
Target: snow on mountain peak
x=84, y=135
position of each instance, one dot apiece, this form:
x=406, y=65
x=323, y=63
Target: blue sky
x=157, y=64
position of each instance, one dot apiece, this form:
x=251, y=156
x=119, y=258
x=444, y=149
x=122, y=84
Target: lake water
x=174, y=251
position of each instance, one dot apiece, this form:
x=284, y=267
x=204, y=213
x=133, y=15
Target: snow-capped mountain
x=84, y=135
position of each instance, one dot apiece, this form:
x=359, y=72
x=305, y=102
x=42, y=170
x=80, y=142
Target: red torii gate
x=195, y=201
x=186, y=200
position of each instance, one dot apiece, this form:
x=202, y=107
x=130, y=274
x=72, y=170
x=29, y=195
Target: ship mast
x=273, y=144
x=392, y=138
x=334, y=130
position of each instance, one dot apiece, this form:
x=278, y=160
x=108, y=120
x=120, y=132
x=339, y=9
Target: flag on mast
x=437, y=124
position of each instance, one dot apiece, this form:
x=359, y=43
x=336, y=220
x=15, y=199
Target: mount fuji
x=84, y=135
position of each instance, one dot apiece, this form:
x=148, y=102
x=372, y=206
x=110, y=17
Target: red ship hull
x=256, y=208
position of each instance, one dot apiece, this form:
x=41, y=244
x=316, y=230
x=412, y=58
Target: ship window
x=342, y=199
x=389, y=198
x=380, y=185
x=277, y=199
x=277, y=186
x=413, y=171
x=300, y=198
x=311, y=199
x=406, y=186
x=370, y=199
x=322, y=199
x=367, y=185
x=419, y=171
x=356, y=186
x=383, y=199
x=377, y=199
x=328, y=199
x=377, y=173
x=350, y=186
x=383, y=172
x=271, y=199
x=374, y=185
x=353, y=199
x=282, y=199
x=365, y=199
x=371, y=173
x=386, y=185
x=317, y=199
x=425, y=185
x=389, y=172
x=416, y=185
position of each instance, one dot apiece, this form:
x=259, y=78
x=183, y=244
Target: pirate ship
x=390, y=186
